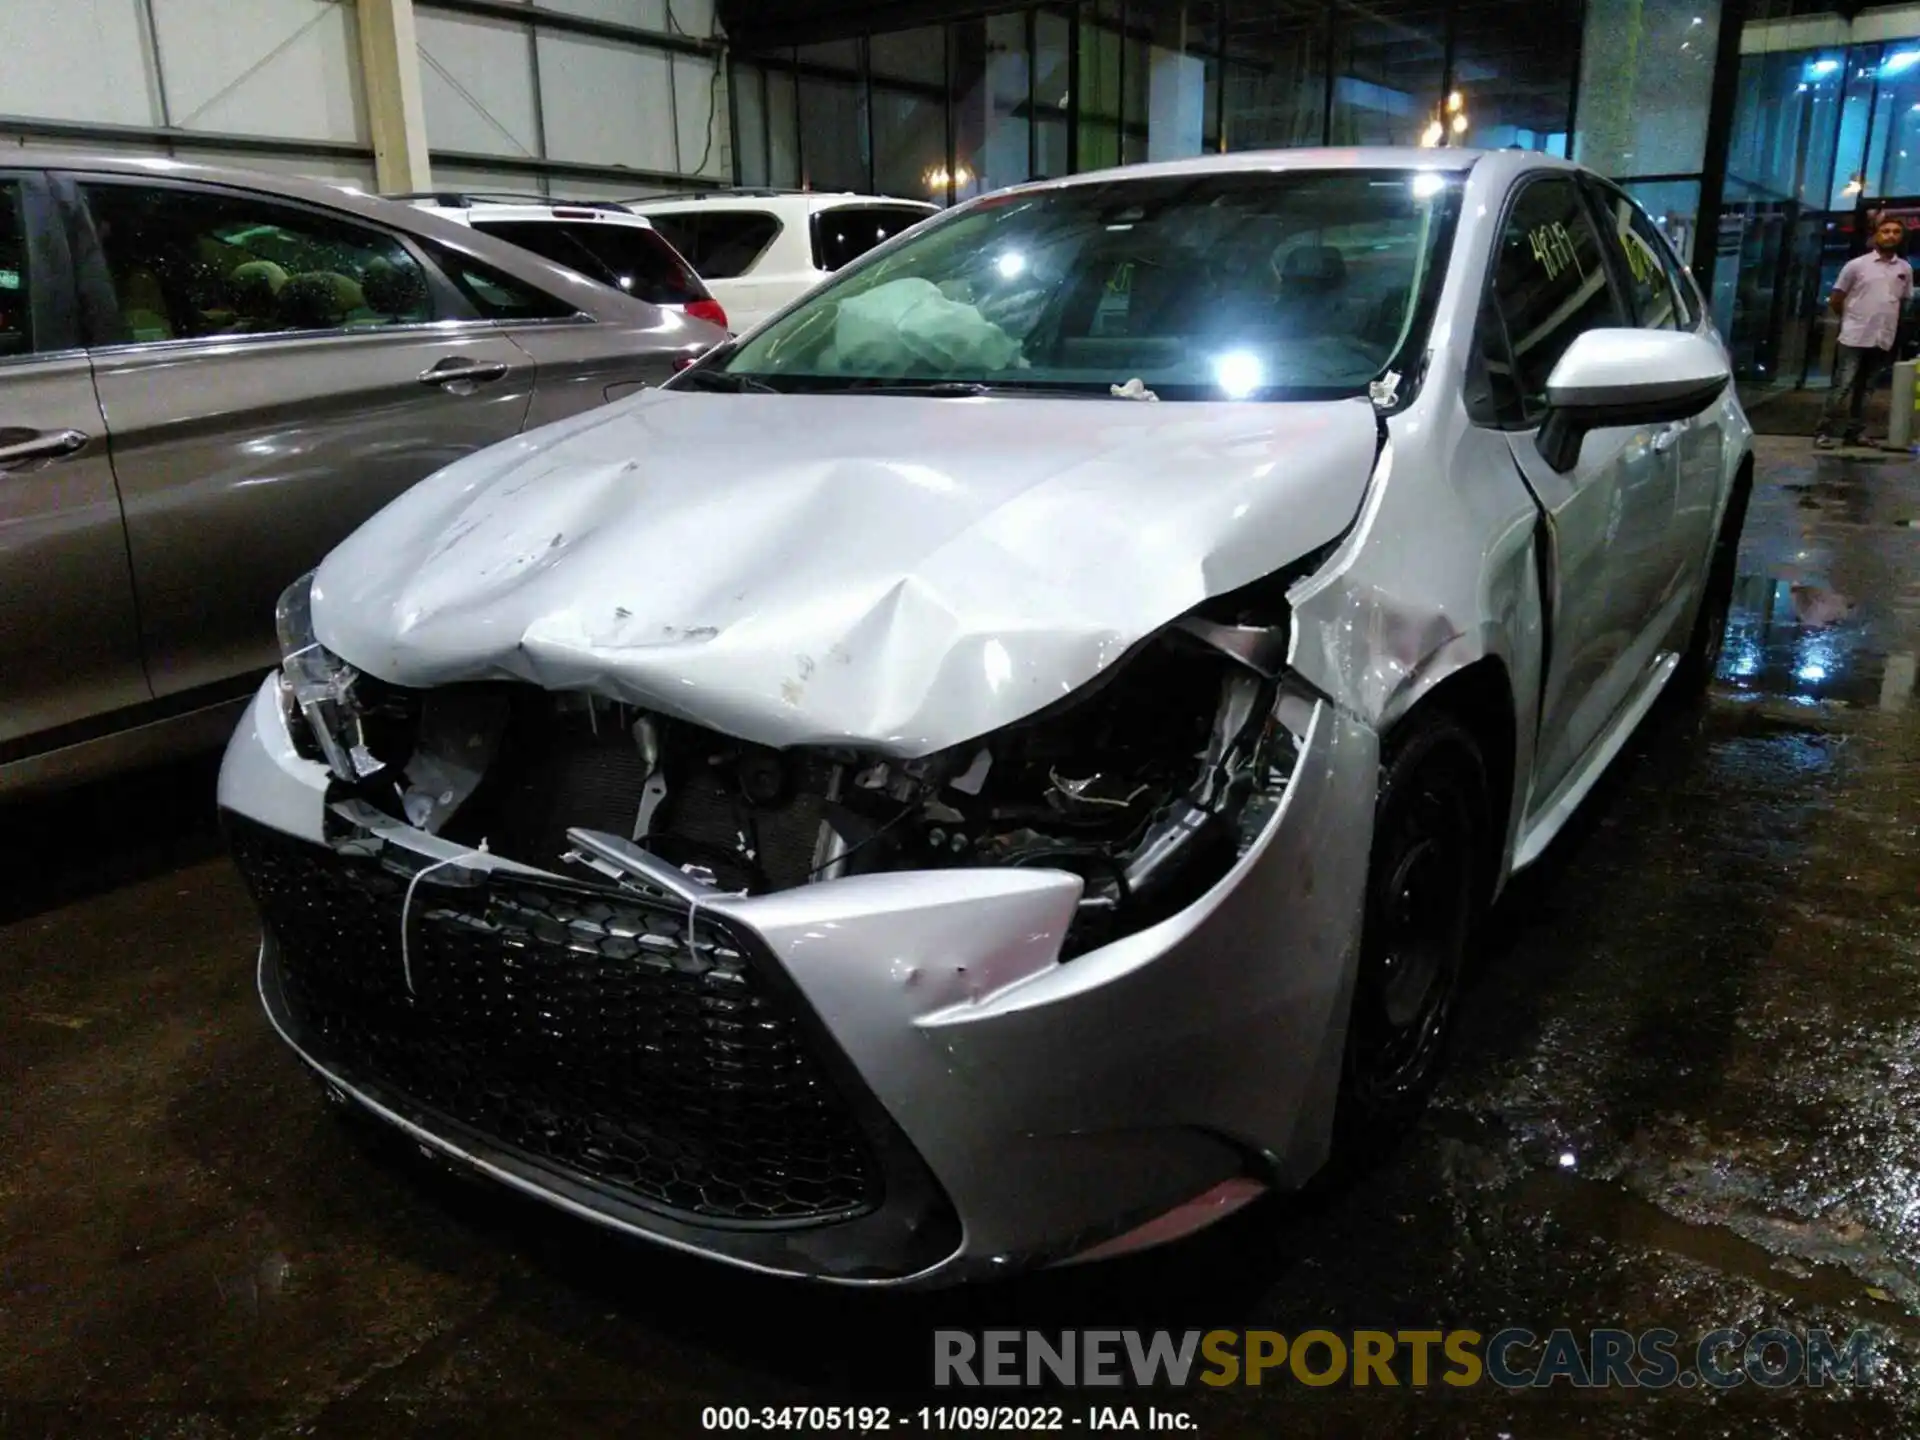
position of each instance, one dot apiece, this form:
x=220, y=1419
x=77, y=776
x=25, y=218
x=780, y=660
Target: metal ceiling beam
x=782, y=24
x=169, y=138
x=518, y=13
x=534, y=165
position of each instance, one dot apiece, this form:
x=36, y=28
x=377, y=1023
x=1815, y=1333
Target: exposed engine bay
x=1148, y=784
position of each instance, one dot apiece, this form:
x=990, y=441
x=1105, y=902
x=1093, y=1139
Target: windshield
x=1246, y=285
x=632, y=258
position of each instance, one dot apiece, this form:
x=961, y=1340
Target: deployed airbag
x=908, y=327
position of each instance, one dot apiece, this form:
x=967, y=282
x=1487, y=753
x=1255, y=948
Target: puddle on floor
x=1810, y=646
x=1616, y=1214
x=1609, y=1210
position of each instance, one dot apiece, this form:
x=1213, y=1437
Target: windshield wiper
x=726, y=380
x=962, y=388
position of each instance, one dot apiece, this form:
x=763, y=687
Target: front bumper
x=917, y=1090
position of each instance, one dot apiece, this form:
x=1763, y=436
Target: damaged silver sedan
x=1002, y=764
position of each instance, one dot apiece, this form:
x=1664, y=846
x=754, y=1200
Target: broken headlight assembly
x=335, y=714
x=1149, y=784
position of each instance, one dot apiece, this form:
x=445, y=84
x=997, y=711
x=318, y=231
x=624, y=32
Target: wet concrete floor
x=1686, y=1096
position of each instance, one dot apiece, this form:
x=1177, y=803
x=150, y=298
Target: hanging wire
x=713, y=89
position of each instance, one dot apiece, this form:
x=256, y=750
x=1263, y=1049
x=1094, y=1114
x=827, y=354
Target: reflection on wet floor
x=1803, y=644
x=1827, y=616
x=1685, y=1094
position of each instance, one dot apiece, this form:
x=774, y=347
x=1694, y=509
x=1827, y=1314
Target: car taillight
x=708, y=310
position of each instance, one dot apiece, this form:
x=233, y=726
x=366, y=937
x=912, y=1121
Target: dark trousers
x=1856, y=369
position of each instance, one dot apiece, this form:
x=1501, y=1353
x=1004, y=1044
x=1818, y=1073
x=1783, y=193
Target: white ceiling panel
x=77, y=60
x=607, y=103
x=476, y=81
x=290, y=69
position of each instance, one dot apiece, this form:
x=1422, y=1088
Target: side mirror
x=1627, y=377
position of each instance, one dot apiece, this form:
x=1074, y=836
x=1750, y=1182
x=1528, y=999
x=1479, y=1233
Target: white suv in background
x=597, y=238
x=759, y=250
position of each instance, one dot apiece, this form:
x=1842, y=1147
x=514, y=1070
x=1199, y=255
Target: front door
x=1607, y=518
x=1661, y=296
x=271, y=374
x=69, y=642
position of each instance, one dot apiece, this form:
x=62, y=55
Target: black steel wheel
x=1426, y=887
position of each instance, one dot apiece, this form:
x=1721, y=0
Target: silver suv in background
x=208, y=378
x=760, y=250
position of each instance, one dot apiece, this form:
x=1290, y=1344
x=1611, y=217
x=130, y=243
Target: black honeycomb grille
x=576, y=1026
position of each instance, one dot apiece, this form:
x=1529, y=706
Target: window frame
x=1688, y=307
x=1490, y=329
x=51, y=301
x=444, y=258
x=99, y=303
x=1489, y=299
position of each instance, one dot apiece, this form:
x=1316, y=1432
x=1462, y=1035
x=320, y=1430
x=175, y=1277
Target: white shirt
x=1876, y=288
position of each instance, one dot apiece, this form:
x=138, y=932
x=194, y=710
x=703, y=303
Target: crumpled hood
x=901, y=573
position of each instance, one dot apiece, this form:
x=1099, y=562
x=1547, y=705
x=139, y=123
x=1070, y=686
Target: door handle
x=44, y=446
x=448, y=372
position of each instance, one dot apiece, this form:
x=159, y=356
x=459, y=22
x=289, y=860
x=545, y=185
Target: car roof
x=752, y=199
x=1380, y=157
x=490, y=207
x=1491, y=167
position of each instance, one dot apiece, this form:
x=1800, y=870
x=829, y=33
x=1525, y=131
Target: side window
x=731, y=242
x=846, y=232
x=1550, y=284
x=496, y=296
x=192, y=263
x=1492, y=396
x=1686, y=294
x=1644, y=265
x=16, y=317
x=632, y=258
x=686, y=233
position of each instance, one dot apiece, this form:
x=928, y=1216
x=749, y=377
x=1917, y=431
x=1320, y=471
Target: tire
x=1427, y=880
x=1701, y=660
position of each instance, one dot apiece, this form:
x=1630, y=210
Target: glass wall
x=1390, y=78
x=1038, y=90
x=909, y=87
x=1275, y=72
x=1052, y=37
x=991, y=130
x=1788, y=108
x=1824, y=135
x=834, y=153
x=1514, y=71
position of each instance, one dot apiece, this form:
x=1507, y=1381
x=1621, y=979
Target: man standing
x=1868, y=297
